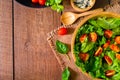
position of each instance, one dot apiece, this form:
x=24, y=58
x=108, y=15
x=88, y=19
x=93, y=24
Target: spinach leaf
x=85, y=47
x=61, y=47
x=66, y=74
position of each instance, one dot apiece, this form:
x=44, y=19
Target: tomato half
x=35, y=1
x=93, y=36
x=117, y=39
x=108, y=33
x=42, y=2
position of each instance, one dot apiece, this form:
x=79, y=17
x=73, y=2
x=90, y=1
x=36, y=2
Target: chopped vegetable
x=118, y=56
x=117, y=39
x=61, y=47
x=108, y=59
x=66, y=74
x=83, y=37
x=93, y=36
x=114, y=48
x=42, y=2
x=98, y=52
x=55, y=5
x=62, y=31
x=106, y=44
x=108, y=33
x=84, y=56
x=110, y=73
x=35, y=1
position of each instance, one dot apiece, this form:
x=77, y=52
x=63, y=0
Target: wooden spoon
x=68, y=18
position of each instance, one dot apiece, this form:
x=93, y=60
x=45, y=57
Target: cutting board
x=67, y=60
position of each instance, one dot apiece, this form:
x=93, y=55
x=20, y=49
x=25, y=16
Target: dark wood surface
x=24, y=51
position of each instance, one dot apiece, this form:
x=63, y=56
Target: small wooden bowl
x=75, y=7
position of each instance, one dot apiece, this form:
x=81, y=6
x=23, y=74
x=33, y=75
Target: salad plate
x=95, y=46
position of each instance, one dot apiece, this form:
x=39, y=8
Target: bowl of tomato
x=33, y=3
x=95, y=46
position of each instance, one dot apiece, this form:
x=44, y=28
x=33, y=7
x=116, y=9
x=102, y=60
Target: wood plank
x=6, y=61
x=34, y=59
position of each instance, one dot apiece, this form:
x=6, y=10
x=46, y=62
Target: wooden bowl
x=82, y=9
x=101, y=14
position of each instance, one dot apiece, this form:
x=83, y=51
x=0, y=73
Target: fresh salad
x=97, y=48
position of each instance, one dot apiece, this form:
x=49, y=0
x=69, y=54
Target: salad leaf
x=110, y=23
x=100, y=31
x=61, y=47
x=66, y=74
x=55, y=5
x=85, y=47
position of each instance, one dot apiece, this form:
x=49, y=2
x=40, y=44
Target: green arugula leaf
x=66, y=74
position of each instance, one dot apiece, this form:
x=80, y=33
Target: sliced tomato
x=106, y=44
x=98, y=52
x=93, y=36
x=62, y=31
x=108, y=33
x=42, y=2
x=118, y=56
x=108, y=59
x=35, y=1
x=117, y=39
x=84, y=56
x=114, y=48
x=83, y=37
x=109, y=73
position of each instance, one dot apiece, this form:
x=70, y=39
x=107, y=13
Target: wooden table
x=24, y=51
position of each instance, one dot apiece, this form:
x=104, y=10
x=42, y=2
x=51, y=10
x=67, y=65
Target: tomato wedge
x=93, y=36
x=106, y=44
x=35, y=1
x=108, y=33
x=98, y=52
x=117, y=39
x=84, y=56
x=108, y=59
x=114, y=48
x=83, y=37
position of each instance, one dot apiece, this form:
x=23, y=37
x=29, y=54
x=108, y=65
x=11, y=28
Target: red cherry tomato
x=42, y=2
x=62, y=31
x=35, y=1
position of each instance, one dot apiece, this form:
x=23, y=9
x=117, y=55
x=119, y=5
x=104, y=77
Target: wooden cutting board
x=67, y=61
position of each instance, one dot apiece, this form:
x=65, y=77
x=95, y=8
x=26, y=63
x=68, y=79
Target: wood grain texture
x=34, y=59
x=6, y=58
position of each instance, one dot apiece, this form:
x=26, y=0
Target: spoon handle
x=89, y=12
